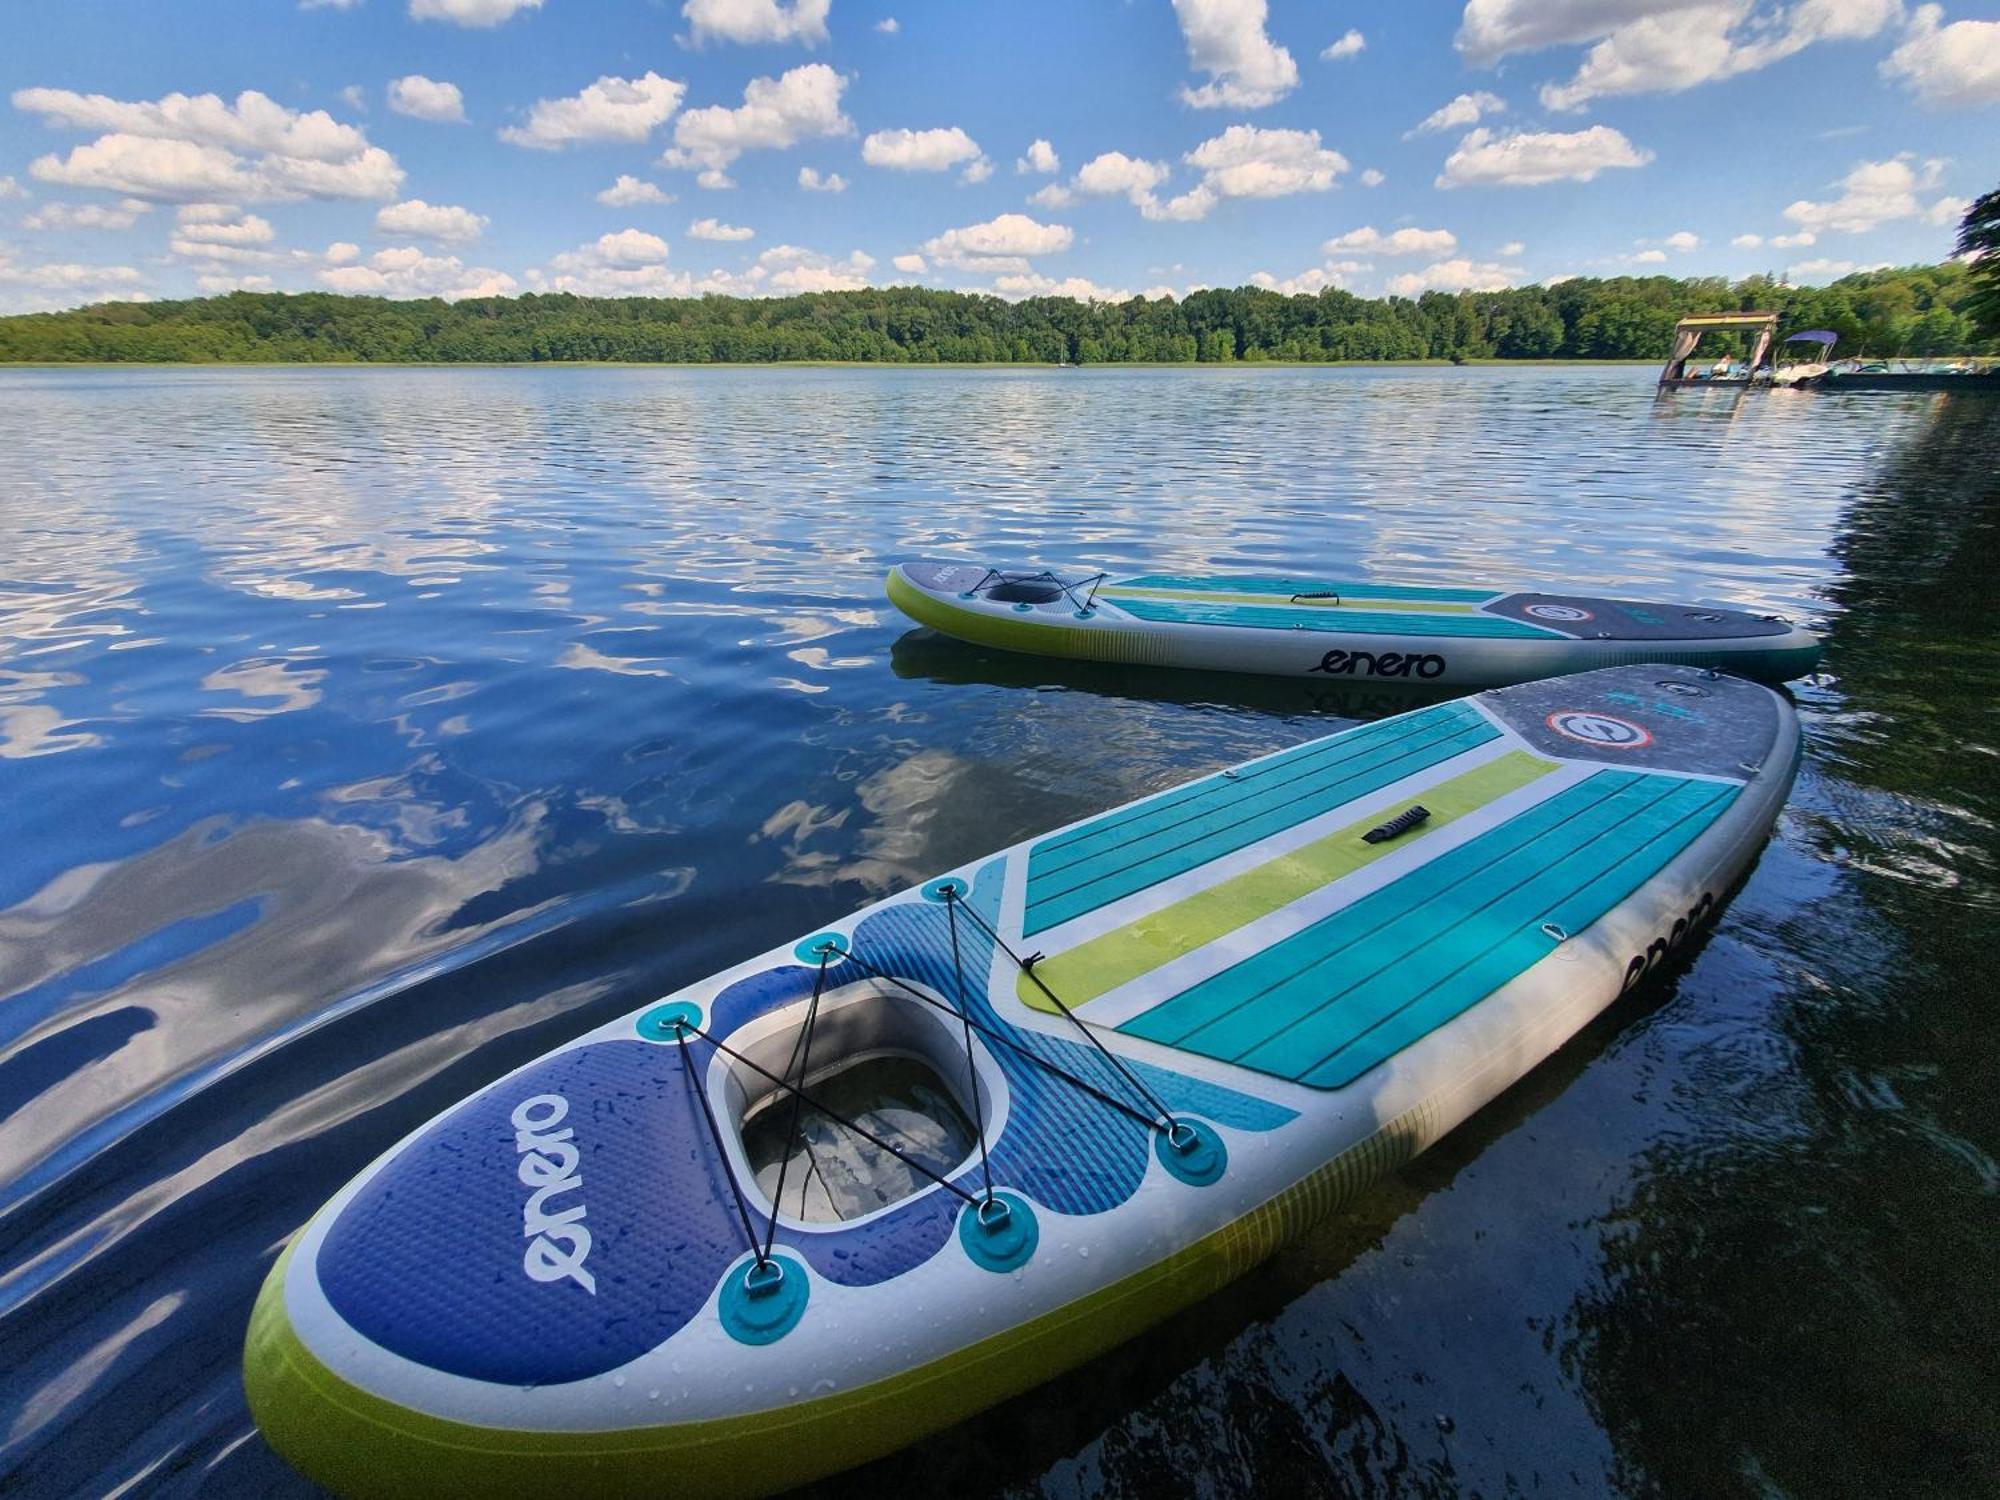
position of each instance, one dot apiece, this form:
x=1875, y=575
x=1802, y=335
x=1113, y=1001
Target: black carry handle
x=1402, y=823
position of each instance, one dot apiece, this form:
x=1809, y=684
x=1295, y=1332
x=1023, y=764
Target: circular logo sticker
x=1568, y=613
x=1600, y=730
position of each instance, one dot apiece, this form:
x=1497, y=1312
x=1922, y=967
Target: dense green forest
x=1916, y=310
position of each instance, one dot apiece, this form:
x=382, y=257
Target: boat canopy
x=1688, y=332
x=1813, y=336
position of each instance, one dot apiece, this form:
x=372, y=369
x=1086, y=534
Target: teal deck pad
x=1129, y=851
x=1286, y=587
x=1334, y=621
x=1332, y=1001
x=1224, y=783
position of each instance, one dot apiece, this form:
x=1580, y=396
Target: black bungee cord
x=1161, y=1117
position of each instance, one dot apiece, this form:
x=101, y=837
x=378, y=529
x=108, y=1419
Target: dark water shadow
x=1798, y=1288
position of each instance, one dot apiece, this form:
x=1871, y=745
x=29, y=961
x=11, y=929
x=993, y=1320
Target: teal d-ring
x=999, y=1233
x=956, y=886
x=830, y=946
x=663, y=1022
x=1192, y=1152
x=763, y=1301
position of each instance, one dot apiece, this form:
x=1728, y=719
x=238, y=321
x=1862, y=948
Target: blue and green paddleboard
x=1325, y=630
x=857, y=1188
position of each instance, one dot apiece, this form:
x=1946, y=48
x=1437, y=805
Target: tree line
x=1908, y=311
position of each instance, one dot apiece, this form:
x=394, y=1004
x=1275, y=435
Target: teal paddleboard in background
x=1343, y=632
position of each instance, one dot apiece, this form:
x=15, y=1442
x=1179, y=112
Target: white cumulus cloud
x=634, y=264
x=1683, y=240
x=1226, y=39
x=1351, y=44
x=1457, y=275
x=476, y=13
x=715, y=229
x=406, y=271
x=776, y=113
x=1368, y=240
x=1662, y=46
x=789, y=269
x=1314, y=279
x=611, y=109
x=220, y=283
x=1466, y=109
x=220, y=234
x=1531, y=158
x=1948, y=67
x=53, y=284
x=758, y=21
x=813, y=182
x=1019, y=284
x=919, y=150
x=1247, y=162
x=185, y=147
x=910, y=265
x=431, y=221
x=629, y=191
x=1039, y=157
x=1010, y=237
x=1874, y=193
x=1114, y=174
x=1947, y=211
x=424, y=98
x=63, y=216
x=1823, y=269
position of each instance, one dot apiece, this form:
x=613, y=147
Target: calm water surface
x=365, y=733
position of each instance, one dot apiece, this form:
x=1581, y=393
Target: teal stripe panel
x=1522, y=944
x=1081, y=876
x=1313, y=755
x=1332, y=1001
x=1389, y=969
x=1249, y=1002
x=1341, y=621
x=1210, y=584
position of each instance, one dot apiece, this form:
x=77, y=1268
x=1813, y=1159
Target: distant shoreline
x=1912, y=311
x=814, y=364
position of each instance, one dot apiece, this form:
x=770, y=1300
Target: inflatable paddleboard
x=853, y=1190
x=1338, y=632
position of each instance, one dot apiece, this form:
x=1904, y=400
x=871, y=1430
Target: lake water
x=364, y=733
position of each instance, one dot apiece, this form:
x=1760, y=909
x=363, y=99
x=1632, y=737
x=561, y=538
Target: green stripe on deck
x=1126, y=851
x=1224, y=584
x=1324, y=1006
x=1102, y=964
x=1346, y=621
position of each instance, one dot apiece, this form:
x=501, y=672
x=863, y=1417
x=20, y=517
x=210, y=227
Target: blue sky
x=1093, y=147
